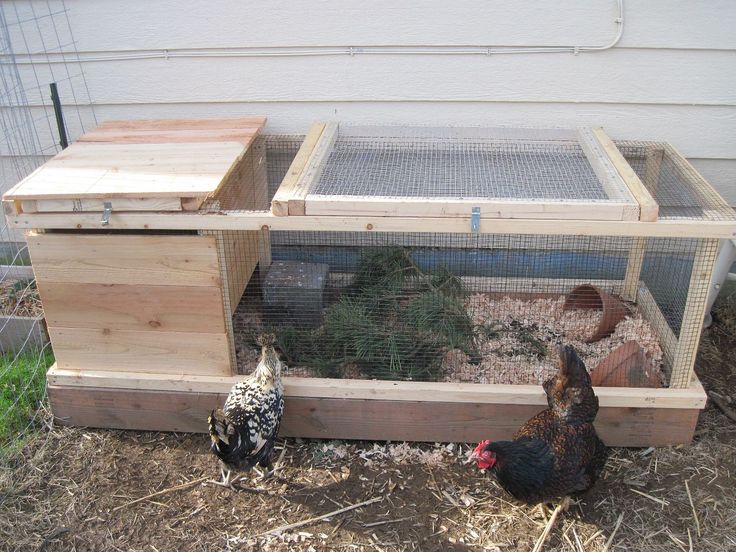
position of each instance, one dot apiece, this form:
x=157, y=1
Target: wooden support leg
x=692, y=318
x=630, y=291
x=224, y=262
x=653, y=166
x=264, y=250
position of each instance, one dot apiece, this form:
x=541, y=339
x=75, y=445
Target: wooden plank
x=633, y=269
x=310, y=175
x=653, y=314
x=212, y=123
x=264, y=220
x=125, y=259
x=118, y=204
x=280, y=201
x=360, y=206
x=236, y=190
x=238, y=254
x=647, y=204
x=329, y=418
x=707, y=196
x=326, y=388
x=226, y=291
x=639, y=245
x=691, y=327
x=246, y=187
x=244, y=135
x=653, y=167
x=87, y=170
x=132, y=307
x=431, y=133
x=141, y=351
x=609, y=178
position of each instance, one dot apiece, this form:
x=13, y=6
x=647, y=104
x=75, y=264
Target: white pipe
x=296, y=51
x=724, y=261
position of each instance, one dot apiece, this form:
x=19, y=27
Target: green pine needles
x=394, y=321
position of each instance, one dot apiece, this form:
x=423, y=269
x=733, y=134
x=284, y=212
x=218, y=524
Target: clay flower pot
x=626, y=366
x=590, y=297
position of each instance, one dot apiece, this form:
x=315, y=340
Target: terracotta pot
x=590, y=297
x=626, y=366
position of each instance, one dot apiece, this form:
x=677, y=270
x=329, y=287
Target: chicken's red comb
x=482, y=445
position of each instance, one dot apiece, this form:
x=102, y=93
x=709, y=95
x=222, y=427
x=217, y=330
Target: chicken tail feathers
x=223, y=434
x=572, y=369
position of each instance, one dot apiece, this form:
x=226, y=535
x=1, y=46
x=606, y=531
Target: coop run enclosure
x=418, y=280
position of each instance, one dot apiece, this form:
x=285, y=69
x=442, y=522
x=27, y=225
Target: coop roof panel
x=140, y=160
x=422, y=171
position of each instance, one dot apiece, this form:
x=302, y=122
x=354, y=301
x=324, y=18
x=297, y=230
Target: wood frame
x=370, y=409
x=173, y=399
x=653, y=164
x=290, y=195
x=692, y=319
x=649, y=210
x=366, y=409
x=264, y=220
x=629, y=199
x=452, y=207
x=133, y=302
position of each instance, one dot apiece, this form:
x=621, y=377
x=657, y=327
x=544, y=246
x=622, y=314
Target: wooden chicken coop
x=417, y=279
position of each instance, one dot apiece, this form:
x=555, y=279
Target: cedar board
x=374, y=419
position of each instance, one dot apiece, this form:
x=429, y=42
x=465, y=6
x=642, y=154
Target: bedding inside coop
x=457, y=308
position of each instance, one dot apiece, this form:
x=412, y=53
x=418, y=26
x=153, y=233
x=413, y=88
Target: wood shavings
x=516, y=340
x=403, y=453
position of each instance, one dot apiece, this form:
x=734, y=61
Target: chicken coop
x=417, y=279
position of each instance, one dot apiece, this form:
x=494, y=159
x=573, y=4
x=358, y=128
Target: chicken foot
x=563, y=505
x=226, y=480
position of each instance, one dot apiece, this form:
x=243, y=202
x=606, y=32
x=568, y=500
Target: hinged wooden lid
x=145, y=165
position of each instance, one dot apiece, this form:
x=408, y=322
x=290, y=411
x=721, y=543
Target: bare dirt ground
x=79, y=489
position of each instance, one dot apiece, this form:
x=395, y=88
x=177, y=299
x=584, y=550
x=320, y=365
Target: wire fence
x=30, y=135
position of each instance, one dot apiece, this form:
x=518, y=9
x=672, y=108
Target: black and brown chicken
x=557, y=453
x=244, y=431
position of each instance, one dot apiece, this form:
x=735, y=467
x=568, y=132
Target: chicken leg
x=226, y=479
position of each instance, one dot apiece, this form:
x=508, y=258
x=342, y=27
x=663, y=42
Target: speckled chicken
x=243, y=433
x=556, y=453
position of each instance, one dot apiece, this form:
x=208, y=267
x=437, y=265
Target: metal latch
x=106, y=213
x=475, y=220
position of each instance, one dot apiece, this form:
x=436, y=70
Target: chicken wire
x=533, y=165
x=30, y=134
x=399, y=167
x=679, y=190
x=534, y=272
x=470, y=308
x=533, y=170
x=302, y=278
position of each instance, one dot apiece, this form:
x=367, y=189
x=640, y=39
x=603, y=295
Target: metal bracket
x=106, y=213
x=475, y=220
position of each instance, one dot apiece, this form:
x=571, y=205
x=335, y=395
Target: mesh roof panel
x=459, y=169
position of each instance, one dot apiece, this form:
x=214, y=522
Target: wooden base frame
x=364, y=409
x=380, y=410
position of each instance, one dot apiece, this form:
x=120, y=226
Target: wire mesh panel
x=421, y=171
x=466, y=308
x=678, y=189
x=30, y=34
x=280, y=152
x=487, y=169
